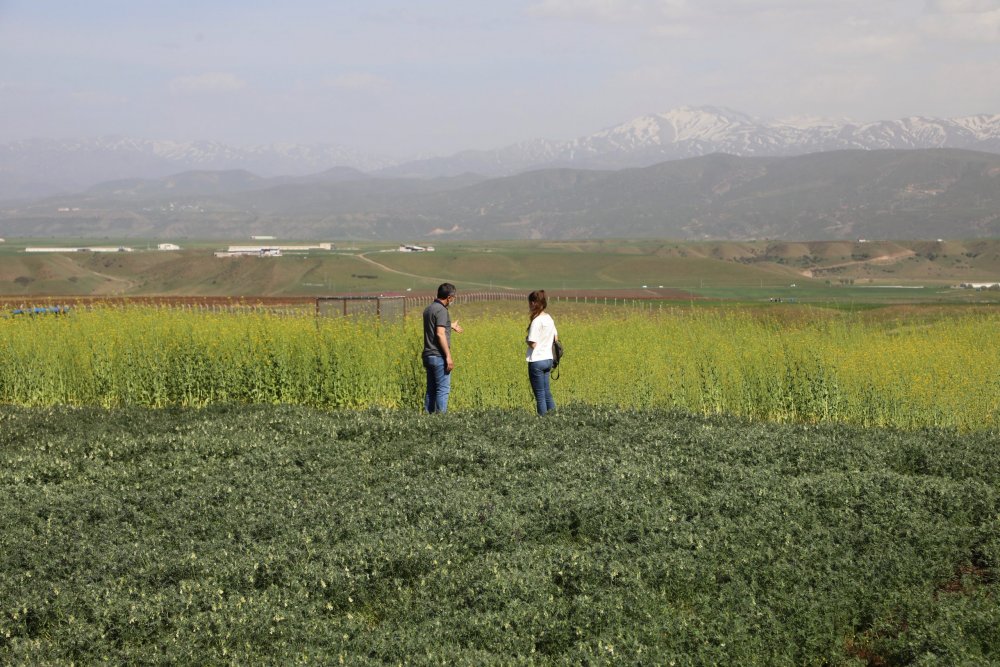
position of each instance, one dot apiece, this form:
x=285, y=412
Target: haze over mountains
x=43, y=167
x=687, y=174
x=877, y=194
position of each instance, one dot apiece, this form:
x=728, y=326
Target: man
x=437, y=349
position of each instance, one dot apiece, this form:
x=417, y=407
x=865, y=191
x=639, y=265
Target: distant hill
x=45, y=167
x=888, y=194
x=835, y=195
x=211, y=183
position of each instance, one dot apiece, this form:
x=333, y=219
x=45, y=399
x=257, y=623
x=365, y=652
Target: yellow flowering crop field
x=906, y=373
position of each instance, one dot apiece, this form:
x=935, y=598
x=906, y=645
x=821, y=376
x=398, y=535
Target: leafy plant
x=284, y=535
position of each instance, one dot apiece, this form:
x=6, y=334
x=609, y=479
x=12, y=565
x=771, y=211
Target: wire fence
x=472, y=297
x=384, y=307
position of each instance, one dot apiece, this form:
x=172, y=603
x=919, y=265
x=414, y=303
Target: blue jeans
x=538, y=374
x=438, y=384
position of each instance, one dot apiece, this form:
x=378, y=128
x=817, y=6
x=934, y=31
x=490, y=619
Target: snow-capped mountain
x=690, y=132
x=695, y=131
x=43, y=167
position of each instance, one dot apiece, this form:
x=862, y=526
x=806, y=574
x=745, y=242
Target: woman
x=541, y=334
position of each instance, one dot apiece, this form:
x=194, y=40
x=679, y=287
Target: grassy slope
x=194, y=272
x=520, y=265
x=277, y=535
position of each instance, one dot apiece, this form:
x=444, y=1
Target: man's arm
x=442, y=336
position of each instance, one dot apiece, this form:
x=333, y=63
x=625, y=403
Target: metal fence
x=382, y=307
x=389, y=308
x=471, y=297
x=396, y=307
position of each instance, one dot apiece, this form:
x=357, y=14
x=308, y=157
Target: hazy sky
x=436, y=76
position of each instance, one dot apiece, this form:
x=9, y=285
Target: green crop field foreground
x=719, y=486
x=284, y=535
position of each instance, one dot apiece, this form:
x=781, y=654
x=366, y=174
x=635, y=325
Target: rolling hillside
x=519, y=265
x=845, y=195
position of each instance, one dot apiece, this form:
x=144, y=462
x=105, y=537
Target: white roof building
x=247, y=251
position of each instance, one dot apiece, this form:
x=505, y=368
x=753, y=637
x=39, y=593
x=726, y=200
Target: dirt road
x=364, y=257
x=891, y=258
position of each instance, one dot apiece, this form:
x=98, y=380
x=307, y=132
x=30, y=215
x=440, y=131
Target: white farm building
x=269, y=250
x=249, y=251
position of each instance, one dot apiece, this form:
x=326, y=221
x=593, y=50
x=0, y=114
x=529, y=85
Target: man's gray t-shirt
x=435, y=315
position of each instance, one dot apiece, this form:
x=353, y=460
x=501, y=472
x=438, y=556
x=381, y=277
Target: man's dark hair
x=446, y=290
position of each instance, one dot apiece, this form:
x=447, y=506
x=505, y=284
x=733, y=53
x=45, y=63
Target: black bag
x=557, y=355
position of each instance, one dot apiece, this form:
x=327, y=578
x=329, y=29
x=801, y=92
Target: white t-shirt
x=541, y=332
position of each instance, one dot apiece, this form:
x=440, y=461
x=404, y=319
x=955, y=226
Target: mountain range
x=844, y=194
x=39, y=167
x=692, y=132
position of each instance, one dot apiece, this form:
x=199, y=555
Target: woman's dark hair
x=537, y=302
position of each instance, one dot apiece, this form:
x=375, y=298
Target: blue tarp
x=41, y=310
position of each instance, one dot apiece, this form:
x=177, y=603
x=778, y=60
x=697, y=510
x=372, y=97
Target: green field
x=278, y=535
x=740, y=472
x=742, y=271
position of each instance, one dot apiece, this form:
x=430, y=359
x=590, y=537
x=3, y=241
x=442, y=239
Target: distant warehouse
x=247, y=251
x=269, y=250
